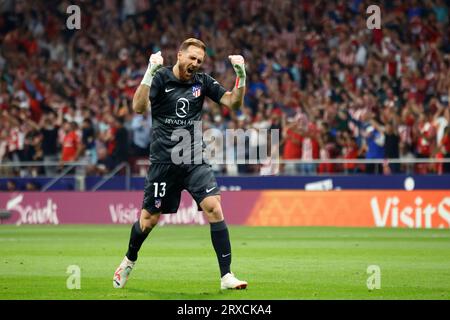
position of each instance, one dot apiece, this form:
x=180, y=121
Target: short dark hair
x=192, y=42
x=120, y=120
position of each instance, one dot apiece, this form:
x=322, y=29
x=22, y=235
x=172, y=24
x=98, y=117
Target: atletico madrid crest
x=196, y=91
x=158, y=203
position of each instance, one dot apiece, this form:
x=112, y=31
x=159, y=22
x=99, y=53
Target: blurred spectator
x=32, y=186
x=49, y=128
x=120, y=152
x=310, y=151
x=141, y=125
x=373, y=140
x=33, y=152
x=374, y=144
x=104, y=164
x=425, y=141
x=3, y=145
x=88, y=140
x=392, y=144
x=350, y=152
x=328, y=150
x=445, y=149
x=71, y=146
x=406, y=154
x=292, y=146
x=11, y=186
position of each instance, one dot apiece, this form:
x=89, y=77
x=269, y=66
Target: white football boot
x=122, y=272
x=229, y=281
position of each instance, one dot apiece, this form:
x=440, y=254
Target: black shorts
x=164, y=183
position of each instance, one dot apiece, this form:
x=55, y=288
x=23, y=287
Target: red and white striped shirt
x=16, y=140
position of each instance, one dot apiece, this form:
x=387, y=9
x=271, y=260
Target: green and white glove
x=238, y=63
x=155, y=62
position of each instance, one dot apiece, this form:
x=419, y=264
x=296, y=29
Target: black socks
x=219, y=237
x=137, y=237
x=221, y=243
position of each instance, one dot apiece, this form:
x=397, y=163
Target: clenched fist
x=238, y=63
x=155, y=62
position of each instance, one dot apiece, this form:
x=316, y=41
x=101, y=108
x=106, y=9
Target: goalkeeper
x=175, y=96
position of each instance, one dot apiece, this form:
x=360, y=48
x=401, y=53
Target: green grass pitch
x=178, y=262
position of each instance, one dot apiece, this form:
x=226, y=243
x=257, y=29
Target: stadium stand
x=334, y=88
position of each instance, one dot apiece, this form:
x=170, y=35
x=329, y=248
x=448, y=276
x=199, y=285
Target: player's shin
x=137, y=237
x=221, y=242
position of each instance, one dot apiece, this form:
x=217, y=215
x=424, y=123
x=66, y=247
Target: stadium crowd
x=334, y=88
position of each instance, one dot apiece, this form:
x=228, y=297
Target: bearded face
x=189, y=62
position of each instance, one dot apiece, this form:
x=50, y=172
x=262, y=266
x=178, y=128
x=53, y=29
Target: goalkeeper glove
x=155, y=62
x=238, y=63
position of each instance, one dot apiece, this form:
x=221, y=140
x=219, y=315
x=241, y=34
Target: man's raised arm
x=141, y=101
x=235, y=98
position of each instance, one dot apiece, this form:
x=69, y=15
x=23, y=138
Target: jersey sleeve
x=213, y=89
x=156, y=86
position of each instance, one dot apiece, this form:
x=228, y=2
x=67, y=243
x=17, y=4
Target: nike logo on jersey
x=215, y=82
x=168, y=90
x=225, y=255
x=209, y=190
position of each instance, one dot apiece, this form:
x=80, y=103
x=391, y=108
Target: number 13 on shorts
x=160, y=189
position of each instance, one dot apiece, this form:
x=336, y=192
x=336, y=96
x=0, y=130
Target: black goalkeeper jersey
x=178, y=105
